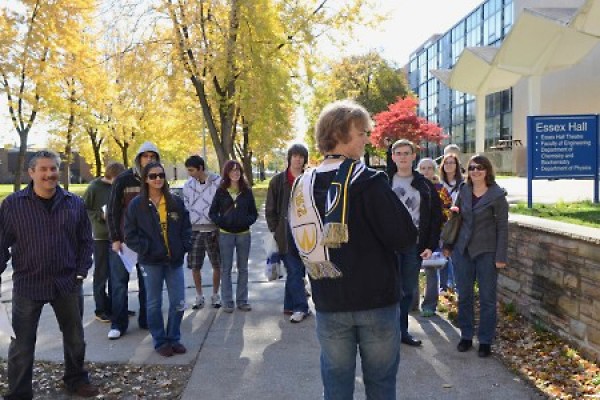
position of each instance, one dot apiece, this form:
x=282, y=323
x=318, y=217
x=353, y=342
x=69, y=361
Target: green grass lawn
x=5, y=190
x=260, y=192
x=580, y=213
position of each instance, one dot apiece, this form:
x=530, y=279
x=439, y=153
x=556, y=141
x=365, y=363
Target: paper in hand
x=129, y=257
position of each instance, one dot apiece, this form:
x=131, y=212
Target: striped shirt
x=49, y=248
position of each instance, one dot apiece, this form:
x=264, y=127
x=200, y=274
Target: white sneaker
x=215, y=300
x=114, y=334
x=199, y=303
x=228, y=309
x=298, y=316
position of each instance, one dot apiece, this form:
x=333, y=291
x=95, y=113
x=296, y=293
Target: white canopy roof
x=541, y=40
x=475, y=73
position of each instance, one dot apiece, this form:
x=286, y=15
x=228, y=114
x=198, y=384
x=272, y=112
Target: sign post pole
x=530, y=150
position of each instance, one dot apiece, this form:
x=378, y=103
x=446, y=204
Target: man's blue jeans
x=295, y=296
x=432, y=290
x=119, y=292
x=241, y=243
x=102, y=277
x=154, y=276
x=483, y=269
x=25, y=319
x=376, y=335
x=409, y=263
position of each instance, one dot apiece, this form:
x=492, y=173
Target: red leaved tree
x=402, y=122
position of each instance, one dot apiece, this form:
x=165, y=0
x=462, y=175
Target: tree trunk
x=261, y=169
x=246, y=155
x=222, y=155
x=96, y=143
x=124, y=151
x=21, y=158
x=124, y=146
x=67, y=161
x=69, y=145
x=223, y=135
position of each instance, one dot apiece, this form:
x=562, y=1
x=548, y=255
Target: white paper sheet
x=128, y=256
x=6, y=328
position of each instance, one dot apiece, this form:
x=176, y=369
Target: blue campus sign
x=563, y=146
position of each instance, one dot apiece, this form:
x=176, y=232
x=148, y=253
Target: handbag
x=451, y=228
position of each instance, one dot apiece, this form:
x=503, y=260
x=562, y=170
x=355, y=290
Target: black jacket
x=124, y=189
x=233, y=216
x=430, y=210
x=276, y=209
x=144, y=236
x=378, y=226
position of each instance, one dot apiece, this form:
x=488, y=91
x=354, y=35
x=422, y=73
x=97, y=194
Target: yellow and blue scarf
x=313, y=236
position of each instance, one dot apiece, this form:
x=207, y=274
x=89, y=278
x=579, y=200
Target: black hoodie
x=378, y=226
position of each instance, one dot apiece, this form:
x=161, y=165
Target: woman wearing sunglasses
x=158, y=229
x=233, y=210
x=481, y=248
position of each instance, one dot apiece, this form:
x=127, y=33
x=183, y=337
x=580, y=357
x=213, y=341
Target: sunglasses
x=153, y=177
x=476, y=167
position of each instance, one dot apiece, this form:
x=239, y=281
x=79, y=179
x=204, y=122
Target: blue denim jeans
x=447, y=275
x=432, y=290
x=154, y=277
x=102, y=277
x=25, y=319
x=409, y=263
x=119, y=277
x=295, y=296
x=376, y=335
x=483, y=269
x=241, y=243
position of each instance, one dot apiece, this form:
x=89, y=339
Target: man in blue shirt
x=50, y=239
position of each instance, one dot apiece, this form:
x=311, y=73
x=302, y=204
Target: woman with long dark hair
x=450, y=174
x=451, y=177
x=234, y=210
x=480, y=250
x=158, y=229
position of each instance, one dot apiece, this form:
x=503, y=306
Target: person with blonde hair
x=347, y=225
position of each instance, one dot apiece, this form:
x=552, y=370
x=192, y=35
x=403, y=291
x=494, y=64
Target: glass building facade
x=454, y=111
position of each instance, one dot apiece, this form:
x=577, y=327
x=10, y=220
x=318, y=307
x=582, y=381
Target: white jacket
x=198, y=197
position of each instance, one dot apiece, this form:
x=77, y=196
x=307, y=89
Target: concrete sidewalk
x=548, y=191
x=261, y=355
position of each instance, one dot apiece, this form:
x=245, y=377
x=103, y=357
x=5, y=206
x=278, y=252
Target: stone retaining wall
x=553, y=279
